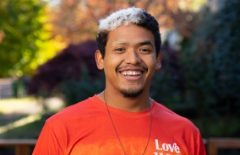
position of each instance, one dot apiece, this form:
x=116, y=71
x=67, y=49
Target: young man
x=123, y=119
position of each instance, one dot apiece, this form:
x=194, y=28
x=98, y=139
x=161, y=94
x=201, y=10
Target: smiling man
x=123, y=119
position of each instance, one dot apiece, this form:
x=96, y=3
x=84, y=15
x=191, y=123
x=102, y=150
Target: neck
x=136, y=104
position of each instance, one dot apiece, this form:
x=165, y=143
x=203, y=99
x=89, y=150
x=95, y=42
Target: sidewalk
x=6, y=88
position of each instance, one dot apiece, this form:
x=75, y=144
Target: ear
x=99, y=60
x=159, y=61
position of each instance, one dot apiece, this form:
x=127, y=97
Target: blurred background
x=47, y=61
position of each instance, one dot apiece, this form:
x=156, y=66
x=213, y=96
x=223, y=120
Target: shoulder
x=173, y=126
x=173, y=120
x=77, y=120
x=78, y=111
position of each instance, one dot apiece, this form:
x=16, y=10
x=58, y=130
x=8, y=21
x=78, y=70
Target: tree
x=23, y=43
x=76, y=20
x=211, y=68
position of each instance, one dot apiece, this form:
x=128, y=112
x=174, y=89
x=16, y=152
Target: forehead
x=130, y=34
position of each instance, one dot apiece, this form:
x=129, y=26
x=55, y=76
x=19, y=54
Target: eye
x=145, y=50
x=120, y=49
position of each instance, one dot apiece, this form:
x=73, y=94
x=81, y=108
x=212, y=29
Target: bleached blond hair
x=127, y=16
x=121, y=17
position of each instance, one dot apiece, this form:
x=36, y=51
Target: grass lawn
x=29, y=131
x=25, y=117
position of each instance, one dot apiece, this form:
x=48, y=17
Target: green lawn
x=25, y=117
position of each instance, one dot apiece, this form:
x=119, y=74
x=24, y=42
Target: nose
x=132, y=57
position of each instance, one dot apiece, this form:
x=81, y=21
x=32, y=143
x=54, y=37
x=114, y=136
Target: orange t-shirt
x=86, y=129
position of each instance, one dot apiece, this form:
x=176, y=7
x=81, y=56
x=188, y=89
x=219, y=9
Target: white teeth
x=131, y=73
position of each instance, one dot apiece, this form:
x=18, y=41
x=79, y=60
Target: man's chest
x=131, y=136
x=108, y=142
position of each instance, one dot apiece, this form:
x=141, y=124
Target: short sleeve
x=47, y=143
x=198, y=143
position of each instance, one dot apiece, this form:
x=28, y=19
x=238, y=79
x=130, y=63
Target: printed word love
x=167, y=147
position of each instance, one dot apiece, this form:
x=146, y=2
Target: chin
x=131, y=93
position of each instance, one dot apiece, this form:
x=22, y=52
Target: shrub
x=211, y=67
x=66, y=65
x=202, y=81
x=76, y=90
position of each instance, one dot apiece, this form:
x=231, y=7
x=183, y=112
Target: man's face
x=130, y=60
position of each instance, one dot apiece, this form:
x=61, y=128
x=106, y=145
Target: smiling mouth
x=131, y=73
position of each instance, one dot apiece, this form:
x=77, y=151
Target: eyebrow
x=146, y=43
x=119, y=42
x=141, y=43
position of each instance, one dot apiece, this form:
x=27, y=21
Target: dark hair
x=147, y=21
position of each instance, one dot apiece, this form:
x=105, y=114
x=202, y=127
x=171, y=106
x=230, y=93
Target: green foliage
x=166, y=83
x=211, y=68
x=22, y=25
x=202, y=82
x=223, y=126
x=214, y=73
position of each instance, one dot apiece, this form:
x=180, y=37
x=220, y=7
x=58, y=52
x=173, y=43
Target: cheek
x=110, y=66
x=113, y=61
x=150, y=62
